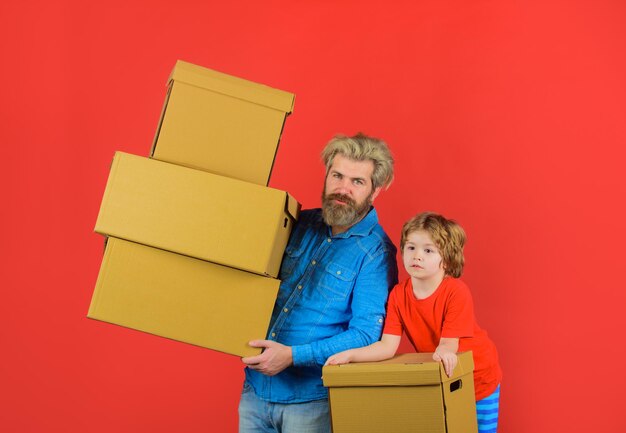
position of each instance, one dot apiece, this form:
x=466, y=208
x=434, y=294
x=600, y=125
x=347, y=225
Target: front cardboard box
x=198, y=214
x=222, y=124
x=182, y=298
x=408, y=393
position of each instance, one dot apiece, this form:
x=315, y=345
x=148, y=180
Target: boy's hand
x=344, y=357
x=447, y=357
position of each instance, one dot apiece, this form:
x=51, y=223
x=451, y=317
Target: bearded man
x=336, y=273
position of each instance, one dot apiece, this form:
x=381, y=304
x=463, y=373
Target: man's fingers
x=251, y=360
x=256, y=358
x=256, y=367
x=260, y=343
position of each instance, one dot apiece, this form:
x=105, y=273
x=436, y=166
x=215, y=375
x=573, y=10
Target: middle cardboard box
x=202, y=215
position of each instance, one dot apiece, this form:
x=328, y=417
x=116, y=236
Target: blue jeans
x=258, y=416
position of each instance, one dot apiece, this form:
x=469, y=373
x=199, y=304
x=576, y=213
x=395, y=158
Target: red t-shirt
x=449, y=313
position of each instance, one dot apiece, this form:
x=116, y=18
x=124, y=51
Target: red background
x=508, y=116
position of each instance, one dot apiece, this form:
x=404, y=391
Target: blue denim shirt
x=332, y=298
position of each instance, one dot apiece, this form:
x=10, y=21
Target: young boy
x=435, y=310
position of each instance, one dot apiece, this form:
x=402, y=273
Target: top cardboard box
x=408, y=393
x=221, y=124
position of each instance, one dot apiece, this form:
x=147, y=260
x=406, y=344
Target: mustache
x=340, y=197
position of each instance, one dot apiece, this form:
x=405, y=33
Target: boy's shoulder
x=402, y=286
x=456, y=283
x=455, y=287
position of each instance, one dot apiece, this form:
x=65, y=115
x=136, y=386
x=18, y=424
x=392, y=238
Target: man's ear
x=375, y=193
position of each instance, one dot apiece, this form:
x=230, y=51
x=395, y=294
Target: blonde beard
x=344, y=215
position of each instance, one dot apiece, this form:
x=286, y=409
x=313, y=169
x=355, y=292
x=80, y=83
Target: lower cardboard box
x=182, y=298
x=408, y=393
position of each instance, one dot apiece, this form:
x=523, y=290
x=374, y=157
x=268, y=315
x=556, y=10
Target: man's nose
x=344, y=186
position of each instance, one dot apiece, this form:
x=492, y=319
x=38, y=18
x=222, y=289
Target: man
x=336, y=274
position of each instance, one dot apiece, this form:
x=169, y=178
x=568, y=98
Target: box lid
x=232, y=86
x=401, y=370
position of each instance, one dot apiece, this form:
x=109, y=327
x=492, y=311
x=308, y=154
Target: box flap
x=293, y=207
x=232, y=86
x=401, y=370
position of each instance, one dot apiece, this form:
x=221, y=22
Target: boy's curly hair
x=448, y=236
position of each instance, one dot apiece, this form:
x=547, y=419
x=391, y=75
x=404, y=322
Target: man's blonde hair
x=362, y=148
x=448, y=236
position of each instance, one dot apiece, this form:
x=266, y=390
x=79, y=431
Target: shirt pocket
x=337, y=281
x=290, y=260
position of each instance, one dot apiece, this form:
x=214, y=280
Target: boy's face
x=421, y=257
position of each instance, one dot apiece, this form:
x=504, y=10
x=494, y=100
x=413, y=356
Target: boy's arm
x=446, y=353
x=383, y=349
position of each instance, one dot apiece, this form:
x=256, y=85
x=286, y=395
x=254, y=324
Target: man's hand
x=340, y=358
x=274, y=359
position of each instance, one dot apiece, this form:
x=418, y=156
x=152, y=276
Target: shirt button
x=313, y=262
x=285, y=309
x=338, y=272
x=300, y=287
x=380, y=320
x=273, y=334
x=328, y=240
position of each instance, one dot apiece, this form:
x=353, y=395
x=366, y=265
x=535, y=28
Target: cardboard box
x=198, y=214
x=182, y=298
x=222, y=124
x=408, y=393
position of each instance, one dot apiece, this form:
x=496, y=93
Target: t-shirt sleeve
x=459, y=314
x=393, y=322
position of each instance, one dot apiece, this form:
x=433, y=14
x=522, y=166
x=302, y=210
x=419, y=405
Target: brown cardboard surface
x=407, y=393
x=195, y=213
x=182, y=298
x=220, y=123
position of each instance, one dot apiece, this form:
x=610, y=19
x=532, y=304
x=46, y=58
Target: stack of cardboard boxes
x=195, y=236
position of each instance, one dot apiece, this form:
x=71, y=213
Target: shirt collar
x=362, y=228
